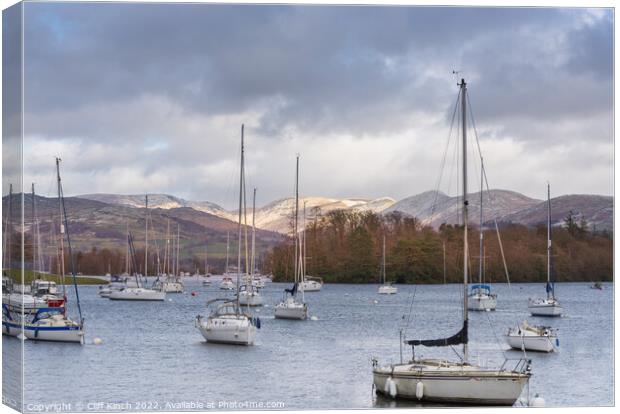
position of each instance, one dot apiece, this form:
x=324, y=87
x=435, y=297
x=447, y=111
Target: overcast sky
x=142, y=98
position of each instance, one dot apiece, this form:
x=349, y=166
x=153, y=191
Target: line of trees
x=345, y=247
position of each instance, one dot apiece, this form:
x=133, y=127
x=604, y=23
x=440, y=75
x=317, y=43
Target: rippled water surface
x=153, y=358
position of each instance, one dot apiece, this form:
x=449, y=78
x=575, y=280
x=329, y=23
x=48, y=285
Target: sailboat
x=290, y=307
x=207, y=277
x=227, y=282
x=549, y=306
x=227, y=323
x=122, y=281
x=532, y=338
x=248, y=293
x=307, y=283
x=453, y=381
x=49, y=323
x=43, y=293
x=480, y=296
x=386, y=288
x=171, y=283
x=139, y=292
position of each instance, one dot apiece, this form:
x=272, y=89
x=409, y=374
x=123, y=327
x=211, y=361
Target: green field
x=29, y=276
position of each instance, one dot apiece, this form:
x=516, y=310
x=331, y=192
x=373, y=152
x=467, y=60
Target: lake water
x=153, y=358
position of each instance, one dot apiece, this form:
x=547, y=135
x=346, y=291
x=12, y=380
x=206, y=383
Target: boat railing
x=520, y=365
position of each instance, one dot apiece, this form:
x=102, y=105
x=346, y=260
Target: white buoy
x=314, y=318
x=419, y=390
x=392, y=388
x=537, y=401
x=169, y=300
x=21, y=337
x=375, y=301
x=97, y=341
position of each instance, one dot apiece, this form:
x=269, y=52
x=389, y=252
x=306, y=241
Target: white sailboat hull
x=531, y=343
x=170, y=287
x=545, y=307
x=387, y=290
x=227, y=330
x=251, y=299
x=452, y=386
x=138, y=294
x=291, y=310
x=481, y=302
x=227, y=286
x=58, y=330
x=310, y=286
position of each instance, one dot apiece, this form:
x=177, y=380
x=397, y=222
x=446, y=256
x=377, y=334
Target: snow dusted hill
x=433, y=208
x=277, y=216
x=163, y=201
x=595, y=209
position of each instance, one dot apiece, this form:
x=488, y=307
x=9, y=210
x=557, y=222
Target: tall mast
x=227, y=250
x=178, y=249
x=444, y=262
x=550, y=287
x=245, y=229
x=383, y=261
x=65, y=227
x=7, y=231
x=253, y=264
x=146, y=236
x=206, y=255
x=305, y=270
x=296, y=217
x=465, y=217
x=240, y=212
x=62, y=230
x=34, y=235
x=127, y=270
x=480, y=270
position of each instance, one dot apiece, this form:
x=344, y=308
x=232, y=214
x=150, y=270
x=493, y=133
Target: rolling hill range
x=101, y=220
x=433, y=208
x=104, y=225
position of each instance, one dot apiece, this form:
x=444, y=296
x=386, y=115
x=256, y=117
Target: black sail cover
x=456, y=339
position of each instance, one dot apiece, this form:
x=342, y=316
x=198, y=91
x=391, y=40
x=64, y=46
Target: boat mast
x=34, y=235
x=227, y=250
x=146, y=236
x=62, y=232
x=127, y=251
x=63, y=213
x=178, y=273
x=7, y=231
x=305, y=244
x=253, y=265
x=239, y=226
x=296, y=218
x=206, y=255
x=444, y=262
x=550, y=287
x=463, y=86
x=383, y=262
x=480, y=270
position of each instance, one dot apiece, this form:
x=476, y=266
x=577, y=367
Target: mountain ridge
x=431, y=207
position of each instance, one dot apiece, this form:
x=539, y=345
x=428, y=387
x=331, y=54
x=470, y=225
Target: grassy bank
x=29, y=276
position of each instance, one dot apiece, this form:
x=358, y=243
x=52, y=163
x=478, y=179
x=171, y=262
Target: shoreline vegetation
x=345, y=247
